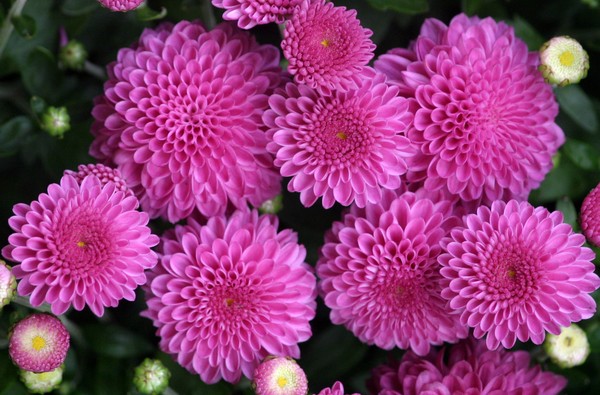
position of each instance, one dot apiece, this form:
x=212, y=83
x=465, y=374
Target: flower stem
x=7, y=25
x=23, y=301
x=170, y=391
x=209, y=17
x=94, y=70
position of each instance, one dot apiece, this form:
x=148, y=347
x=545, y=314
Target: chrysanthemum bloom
x=589, y=216
x=563, y=61
x=228, y=294
x=337, y=389
x=484, y=120
x=38, y=343
x=80, y=245
x=380, y=276
x=465, y=368
x=345, y=147
x=121, y=5
x=151, y=377
x=249, y=13
x=8, y=284
x=104, y=173
x=326, y=46
x=515, y=271
x=42, y=383
x=569, y=348
x=279, y=376
x=181, y=119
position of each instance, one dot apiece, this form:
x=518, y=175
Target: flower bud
x=73, y=55
x=56, y=121
x=8, y=284
x=121, y=5
x=41, y=383
x=563, y=61
x=570, y=348
x=151, y=377
x=272, y=206
x=279, y=376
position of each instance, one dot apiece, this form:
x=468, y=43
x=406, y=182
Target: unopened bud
x=41, y=383
x=73, y=55
x=563, y=61
x=56, y=121
x=570, y=348
x=272, y=206
x=151, y=377
x=8, y=284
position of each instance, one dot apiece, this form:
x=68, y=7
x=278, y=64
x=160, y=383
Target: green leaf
x=79, y=7
x=584, y=155
x=13, y=134
x=566, y=206
x=145, y=13
x=115, y=341
x=183, y=382
x=578, y=106
x=38, y=105
x=527, y=33
x=564, y=180
x=403, y=6
x=42, y=76
x=25, y=26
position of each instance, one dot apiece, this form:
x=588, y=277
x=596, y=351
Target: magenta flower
x=38, y=343
x=229, y=293
x=589, y=217
x=484, y=120
x=121, y=5
x=326, y=46
x=465, y=368
x=336, y=389
x=279, y=376
x=80, y=245
x=104, y=173
x=514, y=272
x=181, y=119
x=380, y=277
x=346, y=147
x=249, y=13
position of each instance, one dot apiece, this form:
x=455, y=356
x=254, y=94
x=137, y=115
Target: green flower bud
x=8, y=284
x=151, y=377
x=56, y=121
x=73, y=55
x=570, y=348
x=41, y=383
x=272, y=206
x=563, y=61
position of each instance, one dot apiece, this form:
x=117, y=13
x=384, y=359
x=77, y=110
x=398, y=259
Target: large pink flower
x=345, y=147
x=465, y=368
x=514, y=272
x=484, y=118
x=80, y=245
x=181, y=119
x=230, y=293
x=249, y=13
x=326, y=46
x=380, y=276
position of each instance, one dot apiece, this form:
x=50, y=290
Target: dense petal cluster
x=8, y=284
x=104, y=173
x=345, y=147
x=516, y=272
x=38, y=343
x=279, y=376
x=589, y=216
x=229, y=293
x=180, y=118
x=80, y=245
x=249, y=13
x=465, y=368
x=121, y=5
x=336, y=389
x=326, y=45
x=380, y=276
x=484, y=120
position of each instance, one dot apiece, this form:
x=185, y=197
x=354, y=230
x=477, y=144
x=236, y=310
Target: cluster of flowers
x=434, y=149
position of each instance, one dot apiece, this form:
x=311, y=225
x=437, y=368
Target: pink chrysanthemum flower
x=484, y=120
x=514, y=272
x=104, y=173
x=249, y=13
x=346, y=147
x=279, y=376
x=380, y=276
x=465, y=368
x=80, y=245
x=589, y=217
x=38, y=343
x=121, y=5
x=229, y=293
x=326, y=46
x=181, y=119
x=336, y=389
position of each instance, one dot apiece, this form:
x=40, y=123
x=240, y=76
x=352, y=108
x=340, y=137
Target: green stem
x=7, y=25
x=23, y=301
x=209, y=17
x=94, y=70
x=170, y=391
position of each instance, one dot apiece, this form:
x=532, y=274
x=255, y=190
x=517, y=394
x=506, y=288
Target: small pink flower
x=249, y=13
x=515, y=271
x=104, y=173
x=590, y=216
x=279, y=376
x=121, y=5
x=38, y=343
x=336, y=389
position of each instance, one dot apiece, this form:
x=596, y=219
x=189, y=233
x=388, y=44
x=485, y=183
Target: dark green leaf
x=564, y=180
x=376, y=20
x=566, y=206
x=146, y=14
x=527, y=33
x=404, y=6
x=183, y=382
x=584, y=155
x=38, y=105
x=42, y=76
x=78, y=7
x=575, y=103
x=25, y=26
x=13, y=134
x=115, y=341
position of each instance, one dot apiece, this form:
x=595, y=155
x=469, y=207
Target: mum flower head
x=515, y=271
x=484, y=121
x=249, y=13
x=180, y=118
x=38, y=343
x=380, y=277
x=121, y=5
x=464, y=368
x=326, y=46
x=279, y=376
x=229, y=293
x=589, y=216
x=346, y=147
x=104, y=173
x=336, y=389
x=563, y=61
x=80, y=245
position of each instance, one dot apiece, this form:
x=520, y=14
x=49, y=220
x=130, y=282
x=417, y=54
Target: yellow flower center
x=282, y=381
x=325, y=43
x=228, y=302
x=38, y=343
x=566, y=58
x=341, y=136
x=81, y=244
